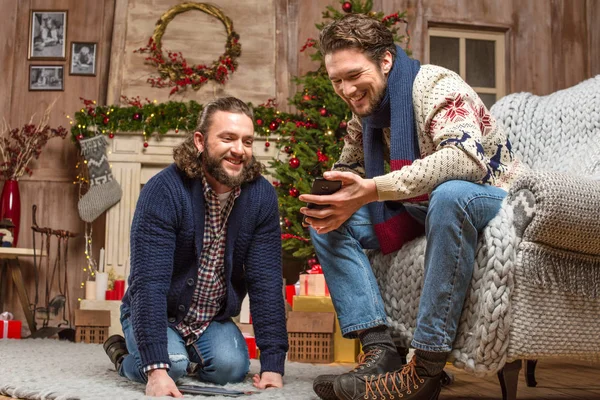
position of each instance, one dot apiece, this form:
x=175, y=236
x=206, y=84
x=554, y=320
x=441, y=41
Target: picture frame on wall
x=83, y=58
x=48, y=35
x=46, y=77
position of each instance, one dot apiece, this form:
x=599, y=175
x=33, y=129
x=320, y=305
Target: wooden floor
x=568, y=380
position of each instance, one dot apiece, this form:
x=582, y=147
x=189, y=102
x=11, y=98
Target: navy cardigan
x=166, y=243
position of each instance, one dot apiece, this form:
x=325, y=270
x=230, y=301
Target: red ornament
x=267, y=144
x=91, y=112
x=294, y=192
x=312, y=261
x=259, y=122
x=288, y=149
x=294, y=162
x=273, y=125
x=136, y=116
x=145, y=144
x=306, y=97
x=111, y=135
x=105, y=120
x=79, y=137
x=347, y=6
x=343, y=124
x=276, y=184
x=323, y=111
x=176, y=130
x=288, y=223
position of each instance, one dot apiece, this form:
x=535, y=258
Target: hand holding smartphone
x=322, y=186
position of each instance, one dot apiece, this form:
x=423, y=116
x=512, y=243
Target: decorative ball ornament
x=105, y=120
x=79, y=137
x=288, y=149
x=306, y=97
x=136, y=116
x=312, y=261
x=274, y=125
x=259, y=122
x=323, y=111
x=267, y=144
x=146, y=144
x=111, y=135
x=176, y=130
x=343, y=124
x=347, y=7
x=294, y=162
x=287, y=222
x=294, y=193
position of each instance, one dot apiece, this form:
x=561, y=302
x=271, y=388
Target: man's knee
x=229, y=367
x=179, y=365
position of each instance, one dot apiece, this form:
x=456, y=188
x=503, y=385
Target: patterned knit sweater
x=166, y=241
x=458, y=139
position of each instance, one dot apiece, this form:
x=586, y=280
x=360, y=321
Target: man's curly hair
x=358, y=31
x=186, y=155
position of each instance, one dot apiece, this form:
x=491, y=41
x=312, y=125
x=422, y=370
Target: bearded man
x=205, y=232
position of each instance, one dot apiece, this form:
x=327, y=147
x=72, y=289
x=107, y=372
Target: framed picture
x=83, y=58
x=48, y=35
x=46, y=77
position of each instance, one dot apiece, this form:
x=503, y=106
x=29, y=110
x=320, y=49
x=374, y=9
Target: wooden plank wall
x=51, y=185
x=552, y=44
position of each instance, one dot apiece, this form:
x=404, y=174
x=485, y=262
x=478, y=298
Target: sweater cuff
x=272, y=363
x=386, y=188
x=154, y=354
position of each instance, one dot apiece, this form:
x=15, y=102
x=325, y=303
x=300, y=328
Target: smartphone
x=322, y=186
x=211, y=391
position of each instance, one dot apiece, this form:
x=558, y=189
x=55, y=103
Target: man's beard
x=375, y=102
x=212, y=165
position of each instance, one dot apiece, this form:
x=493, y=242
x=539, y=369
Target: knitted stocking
x=104, y=190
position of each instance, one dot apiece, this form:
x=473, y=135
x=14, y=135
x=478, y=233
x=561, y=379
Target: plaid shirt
x=211, y=288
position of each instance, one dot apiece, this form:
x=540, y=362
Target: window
x=477, y=56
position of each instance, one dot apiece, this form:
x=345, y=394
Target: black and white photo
x=47, y=35
x=83, y=58
x=46, y=77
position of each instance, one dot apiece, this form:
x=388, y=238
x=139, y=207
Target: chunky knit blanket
x=535, y=290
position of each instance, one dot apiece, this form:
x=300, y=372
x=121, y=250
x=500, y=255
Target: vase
x=10, y=206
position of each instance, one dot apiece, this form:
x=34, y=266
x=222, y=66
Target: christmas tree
x=310, y=140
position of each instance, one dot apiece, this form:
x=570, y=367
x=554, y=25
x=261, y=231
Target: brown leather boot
x=374, y=361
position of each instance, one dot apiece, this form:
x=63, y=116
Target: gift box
x=344, y=350
x=251, y=343
x=313, y=283
x=310, y=336
x=10, y=329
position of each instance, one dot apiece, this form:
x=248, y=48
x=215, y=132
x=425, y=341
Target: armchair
x=535, y=290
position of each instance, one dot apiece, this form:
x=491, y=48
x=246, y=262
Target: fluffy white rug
x=52, y=369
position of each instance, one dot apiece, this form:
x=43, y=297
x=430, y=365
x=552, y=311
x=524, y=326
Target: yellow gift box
x=344, y=350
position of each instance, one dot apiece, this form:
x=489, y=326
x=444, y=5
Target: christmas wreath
x=174, y=71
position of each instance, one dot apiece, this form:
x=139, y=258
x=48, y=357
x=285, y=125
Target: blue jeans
x=457, y=212
x=220, y=352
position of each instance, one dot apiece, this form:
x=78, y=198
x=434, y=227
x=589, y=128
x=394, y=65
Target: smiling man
x=205, y=232
x=450, y=166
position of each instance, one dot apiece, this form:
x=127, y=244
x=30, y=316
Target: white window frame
x=463, y=34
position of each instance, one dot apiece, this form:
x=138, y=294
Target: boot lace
x=367, y=359
x=392, y=384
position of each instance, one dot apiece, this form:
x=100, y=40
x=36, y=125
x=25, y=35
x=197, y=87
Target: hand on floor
x=160, y=384
x=267, y=380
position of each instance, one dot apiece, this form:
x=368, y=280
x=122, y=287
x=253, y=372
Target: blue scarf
x=393, y=225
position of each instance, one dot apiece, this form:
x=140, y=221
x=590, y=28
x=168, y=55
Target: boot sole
x=325, y=390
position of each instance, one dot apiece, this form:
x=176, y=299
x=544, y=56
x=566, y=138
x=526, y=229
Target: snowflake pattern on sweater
x=458, y=139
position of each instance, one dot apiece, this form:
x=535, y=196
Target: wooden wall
x=51, y=186
x=552, y=44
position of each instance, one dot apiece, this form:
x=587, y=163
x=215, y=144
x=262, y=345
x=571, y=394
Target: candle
x=119, y=288
x=101, y=285
x=101, y=261
x=90, y=290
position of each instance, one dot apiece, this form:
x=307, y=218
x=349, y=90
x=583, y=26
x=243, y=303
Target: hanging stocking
x=104, y=190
